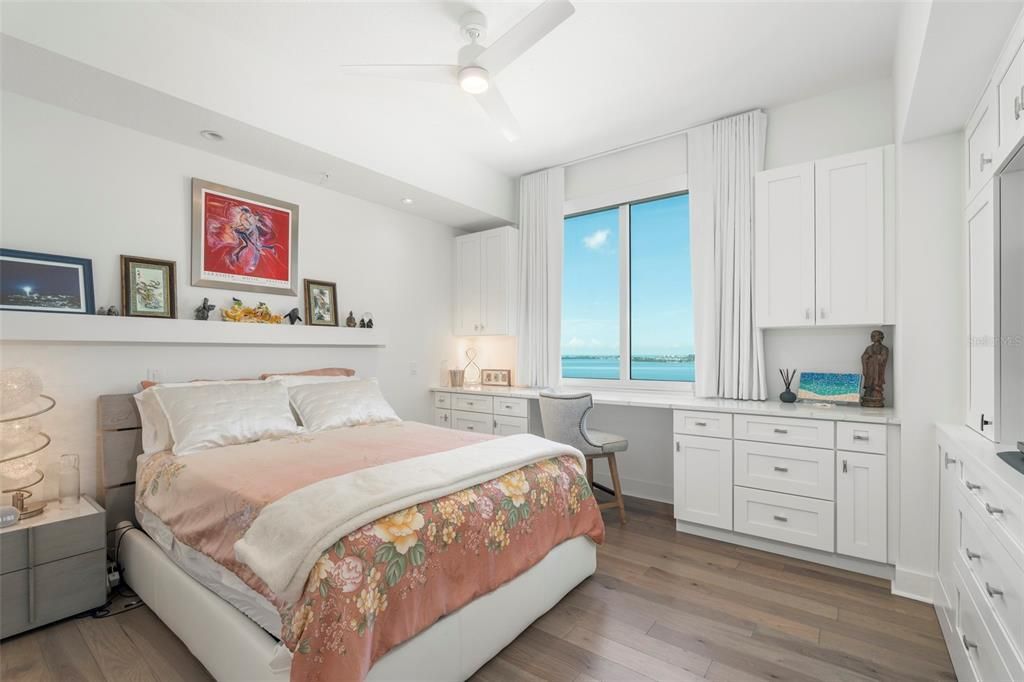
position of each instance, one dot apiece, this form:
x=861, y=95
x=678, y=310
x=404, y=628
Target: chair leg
x=590, y=471
x=614, y=470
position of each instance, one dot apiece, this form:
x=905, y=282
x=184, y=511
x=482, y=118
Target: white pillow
x=334, y=404
x=156, y=432
x=214, y=415
x=290, y=380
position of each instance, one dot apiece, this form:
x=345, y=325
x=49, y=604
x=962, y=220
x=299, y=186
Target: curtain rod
x=649, y=140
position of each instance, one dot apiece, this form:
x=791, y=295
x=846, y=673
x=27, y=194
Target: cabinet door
x=950, y=521
x=861, y=506
x=510, y=426
x=784, y=246
x=1010, y=95
x=442, y=418
x=702, y=475
x=467, y=285
x=983, y=277
x=849, y=233
x=497, y=276
x=980, y=143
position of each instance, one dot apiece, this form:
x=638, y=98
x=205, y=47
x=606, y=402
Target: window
x=627, y=300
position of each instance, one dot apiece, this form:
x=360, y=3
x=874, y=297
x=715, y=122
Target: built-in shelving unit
x=101, y=329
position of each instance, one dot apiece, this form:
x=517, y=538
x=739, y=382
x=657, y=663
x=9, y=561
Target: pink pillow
x=324, y=372
x=150, y=384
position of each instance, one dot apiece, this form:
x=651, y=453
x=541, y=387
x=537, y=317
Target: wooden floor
x=662, y=606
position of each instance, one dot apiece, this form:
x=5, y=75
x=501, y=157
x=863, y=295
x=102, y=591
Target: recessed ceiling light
x=406, y=201
x=212, y=135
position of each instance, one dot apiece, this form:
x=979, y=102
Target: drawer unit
x=993, y=498
x=473, y=403
x=855, y=437
x=14, y=590
x=443, y=400
x=442, y=418
x=472, y=421
x=785, y=469
x=715, y=424
x=511, y=407
x=975, y=638
x=509, y=426
x=50, y=541
x=786, y=518
x=786, y=430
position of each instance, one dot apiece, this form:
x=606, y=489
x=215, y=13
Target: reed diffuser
x=788, y=375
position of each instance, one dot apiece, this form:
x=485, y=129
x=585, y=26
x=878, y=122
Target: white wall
x=78, y=186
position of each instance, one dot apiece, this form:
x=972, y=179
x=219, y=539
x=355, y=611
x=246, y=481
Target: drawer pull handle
x=968, y=644
x=470, y=403
x=972, y=486
x=993, y=510
x=778, y=430
x=677, y=446
x=469, y=427
x=993, y=591
x=779, y=517
x=846, y=467
x=859, y=436
x=508, y=407
x=971, y=556
x=984, y=161
x=700, y=423
x=782, y=469
x=950, y=460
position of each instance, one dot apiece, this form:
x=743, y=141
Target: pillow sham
x=337, y=404
x=290, y=380
x=322, y=372
x=207, y=416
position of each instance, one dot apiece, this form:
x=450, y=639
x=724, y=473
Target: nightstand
x=52, y=566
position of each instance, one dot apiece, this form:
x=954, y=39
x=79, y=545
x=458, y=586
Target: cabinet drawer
x=69, y=586
x=712, y=424
x=857, y=437
x=443, y=400
x=14, y=602
x=473, y=403
x=994, y=500
x=75, y=536
x=14, y=550
x=999, y=582
x=785, y=430
x=442, y=418
x=510, y=407
x=785, y=469
x=975, y=638
x=472, y=421
x=786, y=518
x=509, y=426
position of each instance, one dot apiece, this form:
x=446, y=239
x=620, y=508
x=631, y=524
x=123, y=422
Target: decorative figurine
x=293, y=316
x=350, y=321
x=362, y=323
x=873, y=362
x=260, y=314
x=204, y=310
x=369, y=320
x=788, y=375
x=111, y=310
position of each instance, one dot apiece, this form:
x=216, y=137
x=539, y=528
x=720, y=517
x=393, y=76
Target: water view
x=648, y=368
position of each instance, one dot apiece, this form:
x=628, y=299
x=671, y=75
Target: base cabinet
x=476, y=413
x=702, y=473
x=861, y=516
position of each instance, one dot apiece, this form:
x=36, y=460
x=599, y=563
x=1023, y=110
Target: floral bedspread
x=386, y=582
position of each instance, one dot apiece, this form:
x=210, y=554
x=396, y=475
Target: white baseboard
x=643, y=489
x=914, y=585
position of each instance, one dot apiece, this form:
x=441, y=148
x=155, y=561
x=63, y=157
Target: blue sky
x=662, y=301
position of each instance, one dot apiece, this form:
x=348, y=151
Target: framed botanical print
x=243, y=241
x=45, y=283
x=321, y=303
x=148, y=287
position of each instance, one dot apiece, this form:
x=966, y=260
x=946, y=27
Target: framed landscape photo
x=243, y=241
x=321, y=303
x=45, y=283
x=496, y=377
x=147, y=287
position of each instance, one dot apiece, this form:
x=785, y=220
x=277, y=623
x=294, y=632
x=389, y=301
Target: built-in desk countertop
x=687, y=401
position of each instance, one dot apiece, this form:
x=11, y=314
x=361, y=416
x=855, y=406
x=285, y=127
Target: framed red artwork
x=243, y=241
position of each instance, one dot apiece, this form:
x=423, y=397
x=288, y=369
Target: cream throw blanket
x=291, y=533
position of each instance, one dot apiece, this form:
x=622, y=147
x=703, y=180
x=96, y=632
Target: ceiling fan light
x=474, y=80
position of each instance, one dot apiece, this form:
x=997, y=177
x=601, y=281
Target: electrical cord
x=119, y=591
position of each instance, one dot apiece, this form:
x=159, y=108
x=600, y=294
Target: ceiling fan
x=478, y=65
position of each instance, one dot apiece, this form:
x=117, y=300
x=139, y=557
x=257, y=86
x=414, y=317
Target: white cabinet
x=981, y=140
x=1009, y=96
x=822, y=240
x=479, y=413
x=702, y=486
x=485, y=286
x=861, y=517
x=983, y=305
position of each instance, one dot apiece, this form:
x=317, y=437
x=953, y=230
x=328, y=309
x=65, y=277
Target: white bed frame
x=233, y=647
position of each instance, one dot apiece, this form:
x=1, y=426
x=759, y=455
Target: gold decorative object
x=259, y=314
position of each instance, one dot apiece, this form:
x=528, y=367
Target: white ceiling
x=612, y=74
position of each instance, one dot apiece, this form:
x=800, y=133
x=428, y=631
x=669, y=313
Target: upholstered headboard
x=119, y=443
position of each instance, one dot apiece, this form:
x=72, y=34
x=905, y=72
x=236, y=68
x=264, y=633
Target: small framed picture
x=321, y=303
x=45, y=283
x=147, y=287
x=496, y=377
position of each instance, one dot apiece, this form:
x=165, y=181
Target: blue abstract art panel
x=829, y=387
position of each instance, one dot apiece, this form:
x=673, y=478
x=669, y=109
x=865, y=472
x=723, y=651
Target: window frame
x=675, y=186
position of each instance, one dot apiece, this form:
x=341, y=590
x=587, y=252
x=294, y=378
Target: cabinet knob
x=984, y=161
x=949, y=460
x=968, y=644
x=985, y=422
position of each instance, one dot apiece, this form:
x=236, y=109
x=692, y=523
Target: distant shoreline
x=636, y=358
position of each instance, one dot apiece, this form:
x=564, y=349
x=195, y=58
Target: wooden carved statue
x=873, y=362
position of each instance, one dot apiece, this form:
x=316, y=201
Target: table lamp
x=21, y=401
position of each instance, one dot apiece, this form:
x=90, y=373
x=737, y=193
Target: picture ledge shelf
x=102, y=329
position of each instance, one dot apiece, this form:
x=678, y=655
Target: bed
x=236, y=631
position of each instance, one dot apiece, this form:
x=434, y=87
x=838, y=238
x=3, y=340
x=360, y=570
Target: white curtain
x=541, y=201
x=723, y=157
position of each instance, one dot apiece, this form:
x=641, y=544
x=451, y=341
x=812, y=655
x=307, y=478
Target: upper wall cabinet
x=822, y=242
x=1007, y=93
x=981, y=140
x=485, y=271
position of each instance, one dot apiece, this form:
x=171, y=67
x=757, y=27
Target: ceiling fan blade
x=525, y=34
x=429, y=73
x=494, y=105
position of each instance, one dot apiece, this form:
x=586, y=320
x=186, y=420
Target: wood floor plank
x=114, y=651
x=67, y=655
x=21, y=659
x=633, y=659
x=166, y=655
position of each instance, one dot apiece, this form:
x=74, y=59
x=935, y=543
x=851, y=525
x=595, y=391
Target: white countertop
x=54, y=513
x=687, y=401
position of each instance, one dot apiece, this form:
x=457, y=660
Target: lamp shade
x=18, y=388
